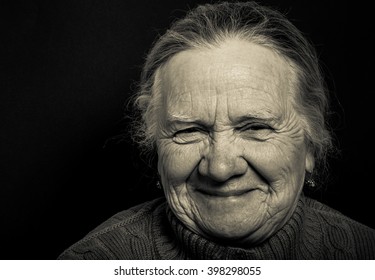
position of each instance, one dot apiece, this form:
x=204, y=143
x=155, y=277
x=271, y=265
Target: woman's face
x=232, y=154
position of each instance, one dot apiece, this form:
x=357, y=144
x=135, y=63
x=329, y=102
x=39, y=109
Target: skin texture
x=232, y=155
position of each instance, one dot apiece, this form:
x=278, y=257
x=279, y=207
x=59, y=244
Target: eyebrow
x=185, y=120
x=242, y=119
x=256, y=117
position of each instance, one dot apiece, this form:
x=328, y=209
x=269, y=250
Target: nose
x=223, y=160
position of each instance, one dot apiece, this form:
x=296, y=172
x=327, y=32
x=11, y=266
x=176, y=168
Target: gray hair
x=209, y=25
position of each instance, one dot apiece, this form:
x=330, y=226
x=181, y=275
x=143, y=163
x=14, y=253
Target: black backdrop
x=68, y=68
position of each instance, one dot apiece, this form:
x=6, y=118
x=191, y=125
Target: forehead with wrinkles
x=237, y=77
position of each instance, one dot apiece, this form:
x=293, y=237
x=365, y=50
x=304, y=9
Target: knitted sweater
x=151, y=231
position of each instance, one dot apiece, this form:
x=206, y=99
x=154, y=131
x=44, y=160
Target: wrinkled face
x=231, y=148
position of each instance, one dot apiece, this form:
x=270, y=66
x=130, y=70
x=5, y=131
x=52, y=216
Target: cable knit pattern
x=151, y=231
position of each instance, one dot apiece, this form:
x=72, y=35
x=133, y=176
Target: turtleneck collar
x=174, y=241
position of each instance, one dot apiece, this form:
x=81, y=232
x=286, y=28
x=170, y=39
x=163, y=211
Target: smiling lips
x=224, y=193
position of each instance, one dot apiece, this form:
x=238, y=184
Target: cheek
x=277, y=161
x=176, y=162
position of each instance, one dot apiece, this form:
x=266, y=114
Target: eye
x=189, y=135
x=255, y=126
x=258, y=131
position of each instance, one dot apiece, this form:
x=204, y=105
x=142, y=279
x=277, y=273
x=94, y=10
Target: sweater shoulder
x=119, y=237
x=349, y=238
x=333, y=215
x=132, y=216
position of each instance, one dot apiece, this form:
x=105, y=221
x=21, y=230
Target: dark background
x=68, y=68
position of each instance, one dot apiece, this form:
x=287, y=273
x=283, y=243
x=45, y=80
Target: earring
x=158, y=185
x=311, y=183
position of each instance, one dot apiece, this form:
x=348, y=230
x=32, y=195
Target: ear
x=310, y=162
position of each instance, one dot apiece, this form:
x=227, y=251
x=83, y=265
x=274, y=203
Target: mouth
x=224, y=193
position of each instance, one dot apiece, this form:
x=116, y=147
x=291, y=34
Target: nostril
x=211, y=181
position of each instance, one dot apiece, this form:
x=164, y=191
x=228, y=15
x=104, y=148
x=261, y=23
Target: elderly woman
x=233, y=102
